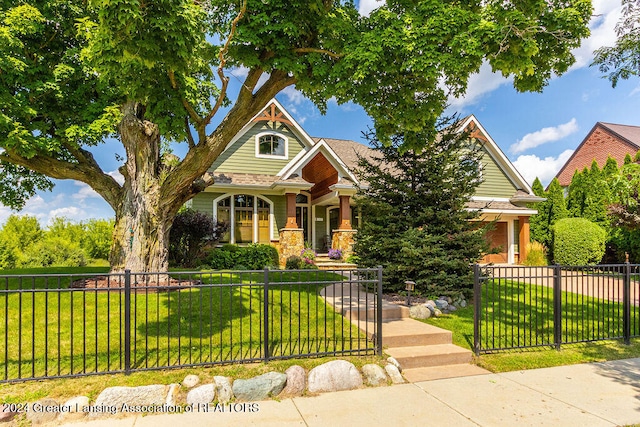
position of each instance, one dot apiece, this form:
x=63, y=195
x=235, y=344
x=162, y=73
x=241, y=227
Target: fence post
x=477, y=301
x=127, y=322
x=557, y=306
x=626, y=304
x=379, y=313
x=267, y=353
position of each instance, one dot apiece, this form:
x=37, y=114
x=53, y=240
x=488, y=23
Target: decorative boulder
x=260, y=387
x=334, y=376
x=39, y=414
x=190, y=381
x=223, y=389
x=296, y=381
x=419, y=312
x=73, y=409
x=374, y=374
x=201, y=395
x=115, y=399
x=394, y=374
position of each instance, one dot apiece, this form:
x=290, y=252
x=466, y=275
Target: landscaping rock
x=394, y=374
x=172, y=393
x=202, y=395
x=223, y=389
x=394, y=362
x=430, y=303
x=112, y=399
x=441, y=304
x=74, y=406
x=260, y=387
x=437, y=313
x=296, y=381
x=190, y=381
x=463, y=304
x=452, y=308
x=40, y=414
x=7, y=416
x=334, y=376
x=374, y=374
x=419, y=312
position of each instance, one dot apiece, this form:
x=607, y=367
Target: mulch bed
x=145, y=284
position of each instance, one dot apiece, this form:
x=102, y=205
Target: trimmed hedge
x=255, y=256
x=578, y=241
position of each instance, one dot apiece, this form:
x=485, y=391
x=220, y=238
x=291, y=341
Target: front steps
x=424, y=351
x=323, y=262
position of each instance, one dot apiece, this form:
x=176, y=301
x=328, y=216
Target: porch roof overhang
x=232, y=180
x=499, y=207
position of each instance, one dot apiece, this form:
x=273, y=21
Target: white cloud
x=483, y=82
x=115, y=174
x=367, y=6
x=543, y=136
x=606, y=14
x=532, y=166
x=293, y=95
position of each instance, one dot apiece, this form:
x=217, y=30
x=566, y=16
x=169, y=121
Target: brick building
x=604, y=140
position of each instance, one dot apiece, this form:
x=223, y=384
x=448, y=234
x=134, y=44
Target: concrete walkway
x=598, y=394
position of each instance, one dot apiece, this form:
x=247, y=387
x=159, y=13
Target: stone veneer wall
x=291, y=243
x=343, y=240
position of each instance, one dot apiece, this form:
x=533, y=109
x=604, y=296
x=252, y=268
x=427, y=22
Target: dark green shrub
x=257, y=256
x=54, y=252
x=253, y=257
x=190, y=233
x=293, y=263
x=578, y=241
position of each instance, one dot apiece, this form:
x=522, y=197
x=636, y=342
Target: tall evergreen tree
x=550, y=211
x=415, y=222
x=536, y=222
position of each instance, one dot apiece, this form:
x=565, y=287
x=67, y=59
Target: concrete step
x=429, y=355
x=409, y=333
x=335, y=265
x=441, y=372
x=389, y=312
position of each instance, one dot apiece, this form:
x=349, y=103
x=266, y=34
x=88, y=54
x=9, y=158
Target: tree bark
x=143, y=218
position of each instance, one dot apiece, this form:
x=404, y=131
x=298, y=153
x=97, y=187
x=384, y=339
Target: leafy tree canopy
x=149, y=72
x=622, y=60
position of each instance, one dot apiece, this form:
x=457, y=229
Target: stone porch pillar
x=523, y=237
x=345, y=213
x=291, y=244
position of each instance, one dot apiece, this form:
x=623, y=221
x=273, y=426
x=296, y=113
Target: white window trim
x=270, y=156
x=232, y=214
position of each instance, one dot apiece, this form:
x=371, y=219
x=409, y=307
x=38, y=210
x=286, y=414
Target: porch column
x=345, y=213
x=291, y=211
x=523, y=238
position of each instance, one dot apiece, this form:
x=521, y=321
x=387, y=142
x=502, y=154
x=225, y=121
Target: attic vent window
x=272, y=145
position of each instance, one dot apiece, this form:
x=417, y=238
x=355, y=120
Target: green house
x=275, y=184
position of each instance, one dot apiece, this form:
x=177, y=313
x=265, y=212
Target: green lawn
x=523, y=316
x=68, y=331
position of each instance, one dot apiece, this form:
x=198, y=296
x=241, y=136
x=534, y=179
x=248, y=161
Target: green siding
x=494, y=181
x=241, y=156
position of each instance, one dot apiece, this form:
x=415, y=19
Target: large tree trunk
x=143, y=219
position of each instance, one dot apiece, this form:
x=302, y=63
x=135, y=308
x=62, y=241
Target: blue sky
x=537, y=131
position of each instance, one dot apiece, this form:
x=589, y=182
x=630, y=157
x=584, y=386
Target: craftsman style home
x=275, y=184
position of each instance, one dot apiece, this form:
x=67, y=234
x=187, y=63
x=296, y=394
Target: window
x=271, y=145
x=248, y=216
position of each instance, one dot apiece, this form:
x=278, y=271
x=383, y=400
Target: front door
x=302, y=218
x=498, y=239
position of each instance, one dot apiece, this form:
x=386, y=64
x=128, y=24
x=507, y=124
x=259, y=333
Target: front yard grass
x=69, y=332
x=523, y=315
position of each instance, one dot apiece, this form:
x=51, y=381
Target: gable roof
x=627, y=137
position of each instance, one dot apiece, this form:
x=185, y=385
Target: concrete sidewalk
x=598, y=394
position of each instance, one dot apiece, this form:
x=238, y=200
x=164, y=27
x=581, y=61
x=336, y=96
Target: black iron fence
x=54, y=326
x=519, y=307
